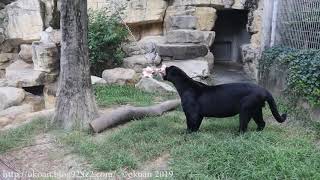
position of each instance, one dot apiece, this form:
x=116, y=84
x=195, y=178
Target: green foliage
x=106, y=34
x=303, y=70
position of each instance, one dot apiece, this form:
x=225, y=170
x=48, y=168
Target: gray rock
x=6, y=47
x=2, y=38
x=16, y=110
x=194, y=68
x=182, y=51
x=250, y=56
x=50, y=36
x=120, y=76
x=10, y=96
x=45, y=57
x=6, y=57
x=26, y=52
x=139, y=62
x=152, y=85
x=21, y=74
x=146, y=44
x=24, y=21
x=3, y=83
x=190, y=36
x=183, y=22
x=97, y=80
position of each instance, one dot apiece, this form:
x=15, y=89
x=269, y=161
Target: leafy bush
x=106, y=34
x=303, y=70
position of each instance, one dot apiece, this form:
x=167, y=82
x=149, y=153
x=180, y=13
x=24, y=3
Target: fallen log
x=128, y=113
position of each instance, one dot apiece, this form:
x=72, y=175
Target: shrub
x=303, y=70
x=106, y=34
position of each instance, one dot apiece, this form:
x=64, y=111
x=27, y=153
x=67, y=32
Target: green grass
x=217, y=151
x=122, y=95
x=20, y=136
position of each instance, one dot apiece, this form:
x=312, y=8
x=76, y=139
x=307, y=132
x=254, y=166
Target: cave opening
x=35, y=90
x=231, y=33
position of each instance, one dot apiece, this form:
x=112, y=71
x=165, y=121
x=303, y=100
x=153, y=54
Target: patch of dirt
x=44, y=158
x=159, y=164
x=158, y=168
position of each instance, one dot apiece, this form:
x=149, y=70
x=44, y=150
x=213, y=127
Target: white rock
x=13, y=111
x=97, y=80
x=24, y=21
x=145, y=11
x=45, y=57
x=190, y=36
x=50, y=36
x=6, y=57
x=26, y=52
x=139, y=62
x=183, y=22
x=146, y=44
x=10, y=96
x=152, y=85
x=21, y=74
x=183, y=51
x=193, y=68
x=120, y=76
x=207, y=17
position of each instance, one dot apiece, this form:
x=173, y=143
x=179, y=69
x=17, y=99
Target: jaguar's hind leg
x=258, y=118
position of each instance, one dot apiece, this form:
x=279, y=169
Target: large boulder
x=97, y=80
x=26, y=52
x=210, y=3
x=2, y=37
x=238, y=4
x=50, y=36
x=203, y=17
x=206, y=17
x=145, y=45
x=22, y=74
x=196, y=69
x=182, y=51
x=45, y=57
x=190, y=36
x=14, y=111
x=35, y=101
x=24, y=21
x=182, y=22
x=120, y=76
x=250, y=57
x=10, y=96
x=145, y=11
x=3, y=83
x=6, y=57
x=176, y=11
x=152, y=85
x=139, y=62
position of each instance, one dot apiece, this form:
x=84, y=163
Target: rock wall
x=179, y=31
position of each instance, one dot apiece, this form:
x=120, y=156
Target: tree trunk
x=75, y=106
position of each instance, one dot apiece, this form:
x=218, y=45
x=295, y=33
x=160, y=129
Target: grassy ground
x=21, y=136
x=217, y=151
x=122, y=95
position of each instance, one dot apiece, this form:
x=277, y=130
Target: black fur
x=199, y=100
